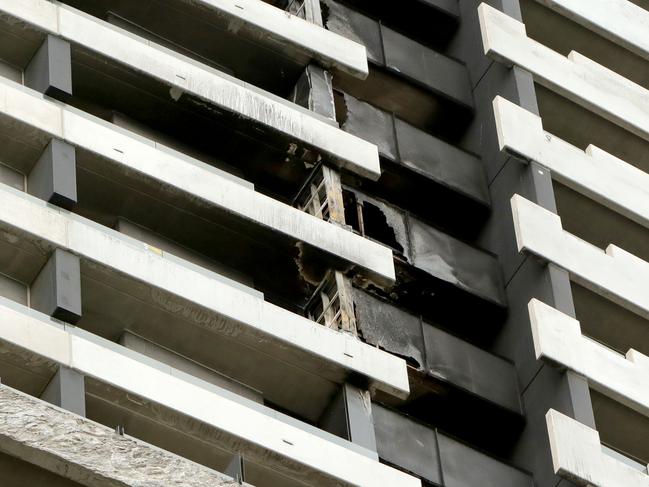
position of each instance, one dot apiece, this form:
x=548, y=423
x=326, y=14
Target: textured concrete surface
x=89, y=453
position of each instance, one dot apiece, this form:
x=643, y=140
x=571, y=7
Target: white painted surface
x=186, y=75
x=620, y=21
x=614, y=274
x=25, y=216
x=577, y=454
x=194, y=178
x=220, y=412
x=595, y=173
x=558, y=338
x=273, y=24
x=576, y=77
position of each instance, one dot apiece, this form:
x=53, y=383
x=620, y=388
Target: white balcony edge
x=558, y=339
x=24, y=216
x=620, y=21
x=194, y=178
x=614, y=274
x=578, y=456
x=49, y=437
x=594, y=173
x=218, y=411
x=188, y=76
x=575, y=77
x=325, y=46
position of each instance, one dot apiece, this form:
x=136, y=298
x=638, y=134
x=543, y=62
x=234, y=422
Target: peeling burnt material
x=446, y=375
x=447, y=281
x=419, y=172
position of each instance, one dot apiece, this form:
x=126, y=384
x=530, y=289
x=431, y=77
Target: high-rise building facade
x=313, y=243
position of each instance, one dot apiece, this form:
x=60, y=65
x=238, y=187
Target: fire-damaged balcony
x=220, y=221
x=124, y=285
x=419, y=85
x=270, y=141
x=450, y=379
x=250, y=39
x=168, y=408
x=419, y=172
x=448, y=281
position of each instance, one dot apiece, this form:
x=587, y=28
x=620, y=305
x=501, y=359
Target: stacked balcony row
x=591, y=137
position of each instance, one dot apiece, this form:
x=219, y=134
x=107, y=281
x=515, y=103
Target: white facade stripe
x=620, y=21
x=558, y=338
x=577, y=455
x=235, y=418
x=576, y=77
x=595, y=173
x=25, y=217
x=615, y=274
x=186, y=75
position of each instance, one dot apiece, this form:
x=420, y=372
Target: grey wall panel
x=390, y=49
x=465, y=467
x=470, y=368
x=440, y=161
x=455, y=262
x=406, y=443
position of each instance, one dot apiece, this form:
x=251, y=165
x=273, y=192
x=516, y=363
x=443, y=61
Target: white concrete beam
x=595, y=173
x=558, y=339
x=178, y=172
x=620, y=21
x=185, y=75
x=89, y=453
x=261, y=435
x=578, y=456
x=614, y=274
x=26, y=217
x=575, y=77
x=275, y=26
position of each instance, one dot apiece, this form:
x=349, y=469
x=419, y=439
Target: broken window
x=331, y=304
x=321, y=195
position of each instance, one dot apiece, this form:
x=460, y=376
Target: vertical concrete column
x=67, y=390
x=236, y=469
x=54, y=176
x=56, y=291
x=50, y=70
x=350, y=416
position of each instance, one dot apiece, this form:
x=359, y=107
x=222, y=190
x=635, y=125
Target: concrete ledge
x=89, y=453
x=233, y=311
x=575, y=77
x=578, y=456
x=272, y=25
x=255, y=430
x=198, y=181
x=184, y=75
x=595, y=173
x=614, y=274
x=558, y=339
x=620, y=21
